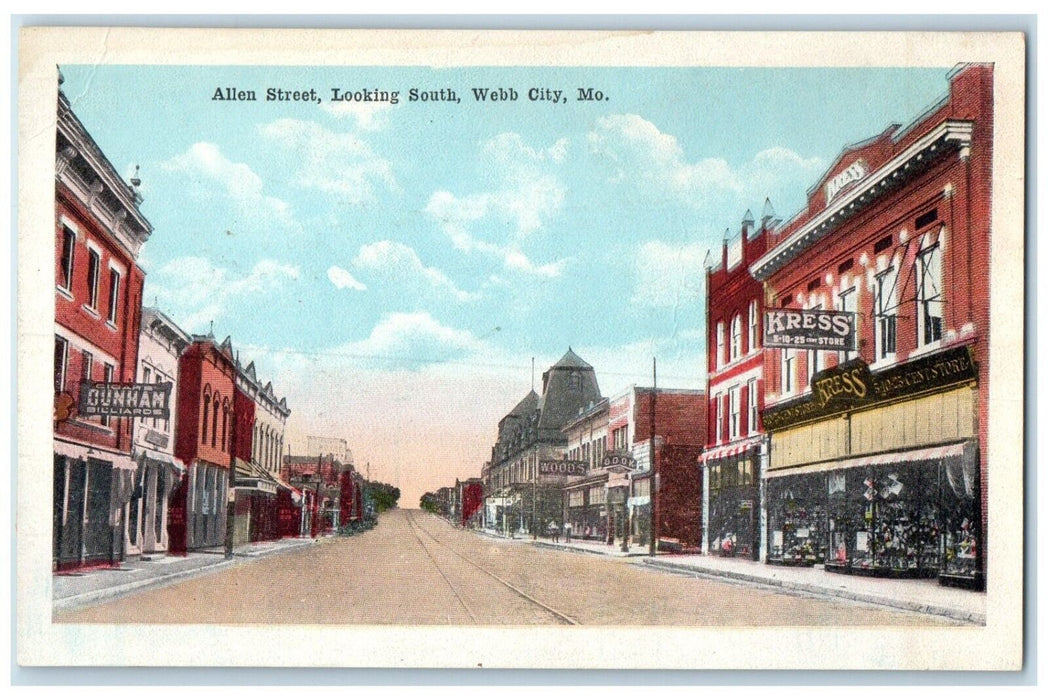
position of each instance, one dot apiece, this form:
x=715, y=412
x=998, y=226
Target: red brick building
x=878, y=458
x=99, y=231
x=204, y=443
x=321, y=480
x=680, y=429
x=735, y=445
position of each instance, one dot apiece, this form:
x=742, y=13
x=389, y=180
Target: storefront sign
x=809, y=329
x=128, y=400
x=156, y=438
x=566, y=467
x=852, y=385
x=853, y=173
x=618, y=460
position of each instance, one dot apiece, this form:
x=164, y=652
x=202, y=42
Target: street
x=415, y=568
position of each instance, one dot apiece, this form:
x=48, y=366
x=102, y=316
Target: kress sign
x=809, y=329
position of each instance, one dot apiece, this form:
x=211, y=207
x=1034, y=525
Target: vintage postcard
x=520, y=349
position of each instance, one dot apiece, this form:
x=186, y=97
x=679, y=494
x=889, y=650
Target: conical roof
x=571, y=361
x=528, y=404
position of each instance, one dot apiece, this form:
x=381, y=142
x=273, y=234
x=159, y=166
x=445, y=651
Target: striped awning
x=715, y=454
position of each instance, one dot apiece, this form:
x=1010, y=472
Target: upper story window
x=847, y=300
x=736, y=338
x=751, y=398
x=114, y=294
x=206, y=410
x=68, y=256
x=816, y=361
x=61, y=362
x=753, y=326
x=93, y=265
x=789, y=371
x=108, y=370
x=720, y=344
x=719, y=422
x=575, y=380
x=929, y=295
x=735, y=412
x=884, y=314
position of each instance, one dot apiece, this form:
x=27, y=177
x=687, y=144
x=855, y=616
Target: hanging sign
x=566, y=467
x=125, y=400
x=809, y=329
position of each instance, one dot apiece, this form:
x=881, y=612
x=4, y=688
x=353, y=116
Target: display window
x=797, y=520
x=733, y=509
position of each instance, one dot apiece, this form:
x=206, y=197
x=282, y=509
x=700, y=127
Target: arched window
x=214, y=420
x=736, y=338
x=207, y=406
x=225, y=426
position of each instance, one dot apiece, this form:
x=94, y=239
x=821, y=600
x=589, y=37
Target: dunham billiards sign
x=809, y=329
x=125, y=400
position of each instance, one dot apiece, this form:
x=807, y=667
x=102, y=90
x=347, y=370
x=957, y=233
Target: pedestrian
x=567, y=532
x=553, y=531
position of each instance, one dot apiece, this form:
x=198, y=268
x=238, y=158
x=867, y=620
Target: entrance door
x=98, y=535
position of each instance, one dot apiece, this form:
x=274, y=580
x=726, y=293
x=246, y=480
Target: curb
x=113, y=592
x=580, y=550
x=787, y=586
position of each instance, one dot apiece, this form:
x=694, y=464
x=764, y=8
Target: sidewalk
x=79, y=588
x=916, y=595
x=594, y=547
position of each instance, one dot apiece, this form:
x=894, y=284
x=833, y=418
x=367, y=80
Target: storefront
x=734, y=501
x=197, y=508
x=91, y=487
x=587, y=508
x=145, y=515
x=880, y=475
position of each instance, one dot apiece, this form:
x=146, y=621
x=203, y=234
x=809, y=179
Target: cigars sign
x=852, y=385
x=125, y=400
x=809, y=329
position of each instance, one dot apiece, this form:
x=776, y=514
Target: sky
x=393, y=269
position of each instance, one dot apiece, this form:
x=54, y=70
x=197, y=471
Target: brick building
x=319, y=478
x=735, y=448
x=585, y=496
x=878, y=458
x=203, y=442
x=680, y=429
x=99, y=231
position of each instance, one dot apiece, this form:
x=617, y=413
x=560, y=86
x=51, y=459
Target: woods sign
x=809, y=329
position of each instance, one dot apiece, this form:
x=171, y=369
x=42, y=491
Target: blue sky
x=394, y=268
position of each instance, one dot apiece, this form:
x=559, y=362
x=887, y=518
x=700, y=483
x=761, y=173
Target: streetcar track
x=553, y=611
x=414, y=531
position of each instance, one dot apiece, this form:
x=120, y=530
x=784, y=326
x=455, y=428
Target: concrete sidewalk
x=916, y=595
x=593, y=547
x=79, y=588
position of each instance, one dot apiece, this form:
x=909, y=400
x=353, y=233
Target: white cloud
x=342, y=279
x=396, y=261
x=208, y=168
x=525, y=199
x=332, y=162
x=412, y=340
x=668, y=275
x=197, y=291
x=368, y=116
x=635, y=152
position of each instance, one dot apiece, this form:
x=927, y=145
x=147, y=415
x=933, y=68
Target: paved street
x=415, y=568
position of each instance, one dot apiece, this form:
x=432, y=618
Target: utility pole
x=654, y=481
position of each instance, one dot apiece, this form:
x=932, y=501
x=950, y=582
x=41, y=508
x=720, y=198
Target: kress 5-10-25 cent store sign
x=809, y=329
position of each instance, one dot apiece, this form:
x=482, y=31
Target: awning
x=251, y=476
x=924, y=454
x=634, y=501
x=75, y=450
x=160, y=460
x=734, y=449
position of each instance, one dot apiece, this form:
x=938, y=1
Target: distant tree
x=430, y=503
x=383, y=496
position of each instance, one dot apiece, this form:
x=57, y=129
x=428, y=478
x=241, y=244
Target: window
x=720, y=344
x=108, y=379
x=719, y=422
x=203, y=428
x=61, y=360
x=847, y=300
x=815, y=359
x=751, y=397
x=929, y=295
x=884, y=314
x=735, y=414
x=789, y=367
x=214, y=421
x=736, y=338
x=68, y=254
x=147, y=375
x=93, y=264
x=753, y=342
x=225, y=420
x=114, y=294
x=575, y=381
